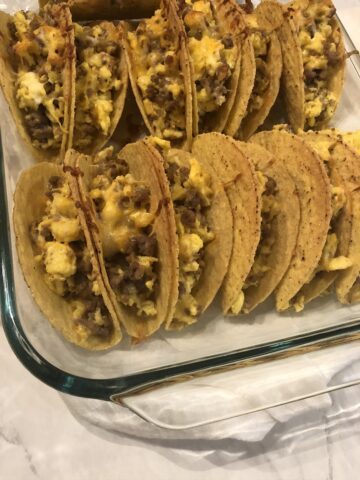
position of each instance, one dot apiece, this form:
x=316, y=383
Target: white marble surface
x=41, y=439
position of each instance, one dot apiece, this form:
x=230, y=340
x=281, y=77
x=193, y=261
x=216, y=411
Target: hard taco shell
x=255, y=119
x=140, y=163
x=344, y=167
x=313, y=186
x=168, y=7
x=29, y=207
x=239, y=179
x=108, y=9
x=293, y=70
x=118, y=101
x=284, y=227
x=8, y=82
x=218, y=251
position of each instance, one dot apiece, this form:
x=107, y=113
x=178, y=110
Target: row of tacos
x=195, y=66
x=198, y=66
x=65, y=82
x=149, y=235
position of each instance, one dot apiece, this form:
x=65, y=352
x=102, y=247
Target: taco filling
x=61, y=250
x=38, y=55
x=261, y=44
x=330, y=260
x=320, y=45
x=126, y=229
x=213, y=55
x=98, y=80
x=156, y=63
x=269, y=211
x=192, y=194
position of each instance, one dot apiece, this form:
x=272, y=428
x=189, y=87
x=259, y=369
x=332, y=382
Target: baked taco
x=303, y=279
x=343, y=164
x=262, y=24
x=58, y=259
x=159, y=70
x=314, y=63
x=280, y=216
x=215, y=54
x=101, y=84
x=204, y=231
x=108, y=9
x=36, y=63
x=134, y=233
x=244, y=193
x=342, y=245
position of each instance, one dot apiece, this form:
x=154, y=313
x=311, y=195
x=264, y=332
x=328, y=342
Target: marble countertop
x=41, y=439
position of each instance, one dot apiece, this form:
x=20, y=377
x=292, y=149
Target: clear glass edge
x=221, y=418
x=110, y=388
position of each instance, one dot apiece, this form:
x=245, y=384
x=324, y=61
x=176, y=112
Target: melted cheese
x=119, y=224
x=54, y=41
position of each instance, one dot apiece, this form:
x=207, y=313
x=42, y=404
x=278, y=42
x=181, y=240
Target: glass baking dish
x=212, y=345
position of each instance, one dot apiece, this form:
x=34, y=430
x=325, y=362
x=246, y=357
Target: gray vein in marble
x=15, y=440
x=327, y=444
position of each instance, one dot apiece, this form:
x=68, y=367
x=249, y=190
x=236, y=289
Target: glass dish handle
x=184, y=403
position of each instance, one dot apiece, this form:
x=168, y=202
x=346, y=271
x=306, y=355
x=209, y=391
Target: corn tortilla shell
x=175, y=24
x=119, y=101
x=239, y=179
x=141, y=167
x=29, y=207
x=8, y=84
x=284, y=227
x=217, y=252
x=313, y=186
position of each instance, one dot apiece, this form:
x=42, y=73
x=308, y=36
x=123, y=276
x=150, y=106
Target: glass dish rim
x=108, y=389
x=105, y=389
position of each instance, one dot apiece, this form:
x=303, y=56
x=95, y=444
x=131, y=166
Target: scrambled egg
x=60, y=260
x=30, y=91
x=192, y=194
x=261, y=44
x=66, y=261
x=320, y=49
x=213, y=56
x=59, y=227
x=123, y=219
x=97, y=80
x=156, y=64
x=39, y=57
x=330, y=260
